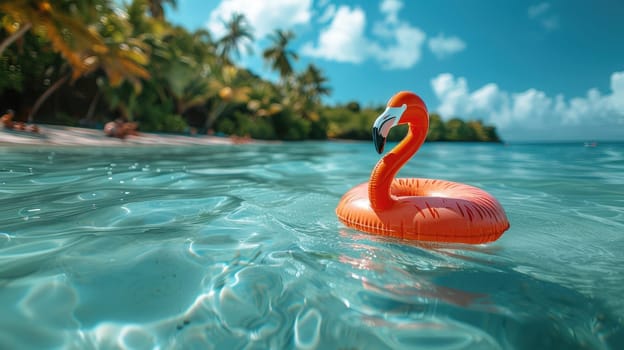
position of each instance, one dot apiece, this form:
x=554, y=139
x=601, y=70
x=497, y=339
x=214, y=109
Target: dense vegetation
x=84, y=62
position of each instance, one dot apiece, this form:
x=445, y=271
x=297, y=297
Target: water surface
x=232, y=247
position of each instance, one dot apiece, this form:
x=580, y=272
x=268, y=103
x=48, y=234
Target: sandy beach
x=72, y=136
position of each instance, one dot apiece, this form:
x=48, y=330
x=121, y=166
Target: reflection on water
x=238, y=246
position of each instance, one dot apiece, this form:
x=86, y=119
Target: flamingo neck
x=390, y=164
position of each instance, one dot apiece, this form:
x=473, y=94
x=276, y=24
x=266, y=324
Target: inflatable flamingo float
x=412, y=208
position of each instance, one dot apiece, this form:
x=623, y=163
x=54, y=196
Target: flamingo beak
x=379, y=140
x=389, y=118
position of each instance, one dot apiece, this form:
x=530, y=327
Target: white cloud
x=395, y=44
x=617, y=86
x=328, y=14
x=391, y=8
x=443, y=46
x=406, y=52
x=538, y=10
x=452, y=92
x=542, y=14
x=518, y=115
x=263, y=16
x=343, y=40
x=404, y=48
x=550, y=23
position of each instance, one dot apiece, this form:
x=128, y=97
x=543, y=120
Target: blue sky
x=538, y=70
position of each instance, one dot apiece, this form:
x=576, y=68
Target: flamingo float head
x=403, y=108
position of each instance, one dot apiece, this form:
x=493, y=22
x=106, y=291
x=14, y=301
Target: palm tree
x=278, y=55
x=51, y=22
x=13, y=36
x=120, y=63
x=314, y=83
x=120, y=57
x=306, y=91
x=66, y=31
x=229, y=86
x=157, y=10
x=238, y=30
x=183, y=65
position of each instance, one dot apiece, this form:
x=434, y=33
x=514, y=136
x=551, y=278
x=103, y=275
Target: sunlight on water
x=238, y=246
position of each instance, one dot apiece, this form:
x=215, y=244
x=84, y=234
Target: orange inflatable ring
x=417, y=209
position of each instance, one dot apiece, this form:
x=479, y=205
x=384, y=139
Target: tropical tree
x=21, y=73
x=112, y=50
x=181, y=68
x=238, y=30
x=231, y=85
x=61, y=25
x=314, y=83
x=157, y=8
x=257, y=118
x=304, y=92
x=278, y=56
x=457, y=130
x=15, y=28
x=436, y=130
x=58, y=22
x=265, y=100
x=483, y=132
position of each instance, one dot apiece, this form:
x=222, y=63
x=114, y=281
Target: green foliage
x=11, y=75
x=353, y=106
x=290, y=127
x=473, y=130
x=25, y=67
x=437, y=128
x=346, y=122
x=397, y=133
x=351, y=122
x=155, y=115
x=261, y=129
x=164, y=122
x=458, y=130
x=240, y=124
x=278, y=55
x=238, y=30
x=318, y=129
x=483, y=132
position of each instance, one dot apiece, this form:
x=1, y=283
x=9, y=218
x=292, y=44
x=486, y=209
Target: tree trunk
x=11, y=38
x=45, y=96
x=91, y=109
x=214, y=114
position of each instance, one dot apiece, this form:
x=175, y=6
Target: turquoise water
x=238, y=247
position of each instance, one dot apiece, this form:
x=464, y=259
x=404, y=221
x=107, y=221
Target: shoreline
x=56, y=135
